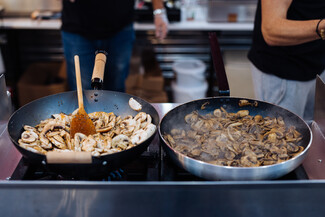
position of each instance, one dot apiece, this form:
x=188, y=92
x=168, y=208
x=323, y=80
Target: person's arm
x=160, y=19
x=277, y=30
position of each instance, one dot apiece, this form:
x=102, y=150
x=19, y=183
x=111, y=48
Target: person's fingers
x=161, y=32
x=161, y=27
x=157, y=29
x=164, y=31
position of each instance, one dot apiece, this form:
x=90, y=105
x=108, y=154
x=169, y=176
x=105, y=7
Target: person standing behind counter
x=106, y=25
x=287, y=53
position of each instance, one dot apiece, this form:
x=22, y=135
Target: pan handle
x=53, y=157
x=98, y=72
x=219, y=67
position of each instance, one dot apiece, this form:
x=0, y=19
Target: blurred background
x=32, y=52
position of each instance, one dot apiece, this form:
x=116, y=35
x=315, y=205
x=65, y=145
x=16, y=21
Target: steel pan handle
x=68, y=157
x=98, y=72
x=218, y=65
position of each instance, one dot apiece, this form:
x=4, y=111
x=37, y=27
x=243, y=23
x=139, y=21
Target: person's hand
x=161, y=23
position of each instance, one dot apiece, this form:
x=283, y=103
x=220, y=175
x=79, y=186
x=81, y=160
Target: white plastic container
x=189, y=72
x=186, y=94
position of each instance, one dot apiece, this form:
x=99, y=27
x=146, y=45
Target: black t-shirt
x=300, y=62
x=96, y=19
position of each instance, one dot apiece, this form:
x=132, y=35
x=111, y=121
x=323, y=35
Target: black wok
x=94, y=100
x=175, y=119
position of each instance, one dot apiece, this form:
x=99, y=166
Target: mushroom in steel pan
x=233, y=138
x=236, y=139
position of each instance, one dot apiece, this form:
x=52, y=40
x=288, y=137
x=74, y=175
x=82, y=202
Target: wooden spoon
x=81, y=122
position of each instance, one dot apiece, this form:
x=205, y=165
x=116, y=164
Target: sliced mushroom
x=89, y=144
x=139, y=136
x=134, y=104
x=29, y=128
x=78, y=138
x=120, y=141
x=29, y=136
x=151, y=129
x=51, y=125
x=58, y=141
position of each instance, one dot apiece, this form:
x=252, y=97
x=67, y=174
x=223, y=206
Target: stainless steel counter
x=227, y=199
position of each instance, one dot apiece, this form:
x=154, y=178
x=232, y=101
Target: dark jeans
x=119, y=49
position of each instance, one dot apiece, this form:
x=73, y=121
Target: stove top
x=163, y=188
x=152, y=185
x=152, y=165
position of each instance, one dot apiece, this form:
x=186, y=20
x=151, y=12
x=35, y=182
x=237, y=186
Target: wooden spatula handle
x=68, y=157
x=99, y=67
x=79, y=85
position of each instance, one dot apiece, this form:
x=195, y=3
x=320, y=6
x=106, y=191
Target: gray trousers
x=296, y=96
